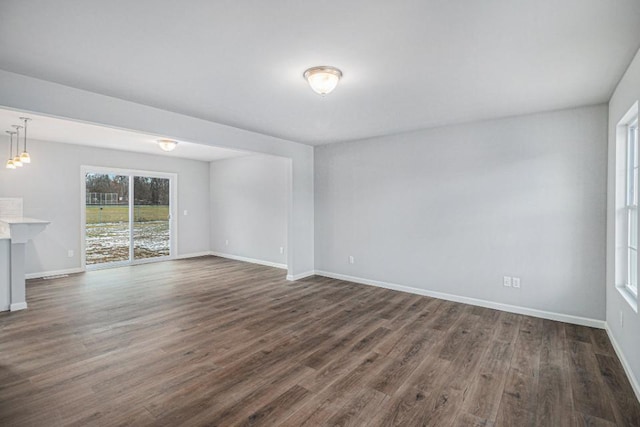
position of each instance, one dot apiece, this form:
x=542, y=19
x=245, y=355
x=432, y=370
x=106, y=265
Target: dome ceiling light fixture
x=323, y=79
x=167, y=144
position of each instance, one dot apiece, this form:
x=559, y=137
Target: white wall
x=455, y=209
x=249, y=205
x=38, y=96
x=51, y=186
x=627, y=337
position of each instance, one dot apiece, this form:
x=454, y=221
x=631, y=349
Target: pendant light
x=16, y=159
x=10, y=164
x=25, y=157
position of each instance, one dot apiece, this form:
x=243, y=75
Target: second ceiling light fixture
x=323, y=79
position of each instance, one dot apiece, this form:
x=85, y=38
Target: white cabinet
x=21, y=230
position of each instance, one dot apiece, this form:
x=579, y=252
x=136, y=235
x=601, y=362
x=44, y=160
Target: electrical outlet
x=506, y=281
x=70, y=253
x=515, y=282
x=186, y=212
x=352, y=260
x=281, y=250
x=226, y=242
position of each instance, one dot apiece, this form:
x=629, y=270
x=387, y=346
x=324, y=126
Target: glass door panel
x=107, y=218
x=151, y=217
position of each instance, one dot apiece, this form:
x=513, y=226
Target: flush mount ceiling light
x=323, y=80
x=167, y=144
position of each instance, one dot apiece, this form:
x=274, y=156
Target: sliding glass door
x=108, y=236
x=127, y=217
x=151, y=214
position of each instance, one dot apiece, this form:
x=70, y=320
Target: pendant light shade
x=16, y=159
x=323, y=80
x=25, y=157
x=10, y=164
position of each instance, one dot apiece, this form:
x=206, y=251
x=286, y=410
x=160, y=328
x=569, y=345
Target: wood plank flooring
x=215, y=342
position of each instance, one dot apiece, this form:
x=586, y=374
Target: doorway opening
x=128, y=217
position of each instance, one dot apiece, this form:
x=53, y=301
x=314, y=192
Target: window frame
x=631, y=206
x=627, y=196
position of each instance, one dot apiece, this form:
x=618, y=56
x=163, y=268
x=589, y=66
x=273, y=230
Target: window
x=626, y=206
x=631, y=178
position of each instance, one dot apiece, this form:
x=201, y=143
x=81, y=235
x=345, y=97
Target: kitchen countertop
x=23, y=220
x=7, y=222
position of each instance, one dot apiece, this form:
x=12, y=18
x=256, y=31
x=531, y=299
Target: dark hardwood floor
x=210, y=341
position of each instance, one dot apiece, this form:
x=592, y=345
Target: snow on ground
x=109, y=242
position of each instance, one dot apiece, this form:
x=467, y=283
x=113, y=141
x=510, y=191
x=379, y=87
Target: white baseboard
x=625, y=364
x=193, y=255
x=251, y=260
x=18, y=306
x=53, y=273
x=42, y=274
x=294, y=277
x=584, y=321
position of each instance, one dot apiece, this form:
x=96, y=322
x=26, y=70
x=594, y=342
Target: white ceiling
x=70, y=132
x=407, y=64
